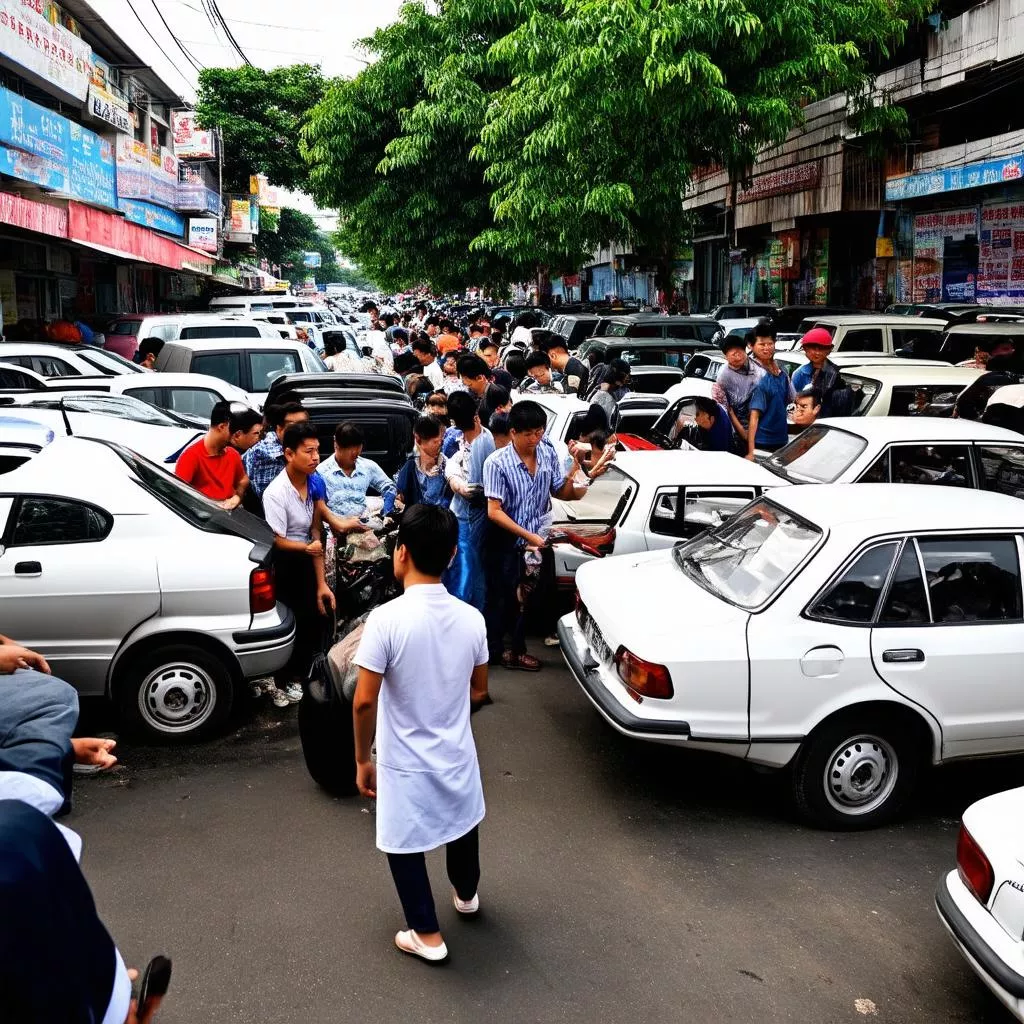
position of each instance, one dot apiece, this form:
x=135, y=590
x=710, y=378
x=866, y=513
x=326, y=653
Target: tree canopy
x=260, y=114
x=284, y=238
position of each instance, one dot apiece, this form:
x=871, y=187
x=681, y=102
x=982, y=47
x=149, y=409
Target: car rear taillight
x=262, y=592
x=973, y=867
x=643, y=677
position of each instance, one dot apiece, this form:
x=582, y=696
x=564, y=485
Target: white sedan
x=804, y=633
x=191, y=396
x=981, y=903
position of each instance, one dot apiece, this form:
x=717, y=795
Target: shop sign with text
x=32, y=216
x=150, y=216
x=952, y=179
x=28, y=41
x=202, y=233
x=190, y=141
x=798, y=178
x=110, y=108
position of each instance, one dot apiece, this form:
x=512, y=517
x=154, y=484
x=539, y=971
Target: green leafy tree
x=260, y=114
x=390, y=149
x=613, y=104
x=296, y=233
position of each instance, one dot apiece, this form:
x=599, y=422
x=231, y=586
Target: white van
x=245, y=304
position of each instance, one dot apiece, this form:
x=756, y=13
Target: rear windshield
x=820, y=455
x=170, y=491
x=219, y=331
x=605, y=500
x=650, y=355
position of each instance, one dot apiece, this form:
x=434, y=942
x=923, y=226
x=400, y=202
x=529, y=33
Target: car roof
x=660, y=318
x=623, y=340
x=672, y=468
x=218, y=344
x=905, y=372
x=42, y=348
x=976, y=327
x=881, y=319
x=899, y=507
x=558, y=403
x=921, y=428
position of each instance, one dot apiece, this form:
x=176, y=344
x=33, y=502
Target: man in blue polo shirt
x=769, y=426
x=715, y=428
x=519, y=481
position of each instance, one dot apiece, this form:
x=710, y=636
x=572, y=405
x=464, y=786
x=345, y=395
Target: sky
x=270, y=32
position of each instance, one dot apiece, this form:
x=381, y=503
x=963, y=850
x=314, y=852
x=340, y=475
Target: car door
x=679, y=513
x=862, y=339
x=950, y=634
x=58, y=593
x=810, y=659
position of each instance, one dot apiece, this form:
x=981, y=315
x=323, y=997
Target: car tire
x=857, y=771
x=175, y=694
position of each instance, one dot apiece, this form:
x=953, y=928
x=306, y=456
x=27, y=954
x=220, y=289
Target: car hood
x=674, y=605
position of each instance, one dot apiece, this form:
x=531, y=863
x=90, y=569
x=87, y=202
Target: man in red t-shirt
x=211, y=465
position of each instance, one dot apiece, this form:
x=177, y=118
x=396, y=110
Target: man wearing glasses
x=211, y=465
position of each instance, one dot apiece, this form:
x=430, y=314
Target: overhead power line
x=159, y=46
x=192, y=60
x=228, y=32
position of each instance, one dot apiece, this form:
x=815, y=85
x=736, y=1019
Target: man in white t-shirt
x=422, y=671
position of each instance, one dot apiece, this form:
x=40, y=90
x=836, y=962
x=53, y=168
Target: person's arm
x=364, y=723
x=381, y=482
x=185, y=467
x=324, y=594
x=497, y=515
x=755, y=416
x=278, y=522
x=565, y=489
x=478, y=694
x=741, y=430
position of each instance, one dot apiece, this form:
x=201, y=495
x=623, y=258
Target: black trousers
x=409, y=870
x=502, y=609
x=296, y=587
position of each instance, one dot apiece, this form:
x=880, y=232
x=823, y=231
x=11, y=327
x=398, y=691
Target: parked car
x=742, y=314
x=191, y=396
x=376, y=403
x=21, y=440
x=801, y=634
x=643, y=351
x=908, y=388
x=249, y=364
x=961, y=339
x=650, y=500
x=188, y=616
x=159, y=435
x=18, y=378
x=981, y=903
x=879, y=334
x=574, y=327
x=58, y=359
x=654, y=325
x=653, y=380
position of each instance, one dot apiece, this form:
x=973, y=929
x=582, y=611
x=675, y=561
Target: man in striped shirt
x=519, y=482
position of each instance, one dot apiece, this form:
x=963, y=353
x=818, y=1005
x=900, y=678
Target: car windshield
x=605, y=499
x=748, y=559
x=121, y=406
x=108, y=363
x=820, y=455
x=170, y=491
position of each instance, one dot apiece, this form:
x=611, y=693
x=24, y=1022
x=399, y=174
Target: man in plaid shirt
x=265, y=460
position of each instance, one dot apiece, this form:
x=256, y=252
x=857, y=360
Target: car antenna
x=64, y=416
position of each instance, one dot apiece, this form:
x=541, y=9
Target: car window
x=646, y=331
x=266, y=367
x=972, y=579
x=122, y=407
x=617, y=330
x=123, y=327
x=1002, y=468
x=15, y=379
x=709, y=331
x=698, y=367
x=191, y=401
x=924, y=400
x=222, y=365
x=56, y=521
x=165, y=332
x=923, y=342
x=687, y=331
x=730, y=313
x=749, y=558
x=906, y=601
x=865, y=392
x=820, y=455
x=49, y=366
x=148, y=395
x=311, y=362
x=108, y=363
x=701, y=508
x=877, y=472
x=650, y=356
x=863, y=339
x=948, y=464
x=220, y=331
x=855, y=595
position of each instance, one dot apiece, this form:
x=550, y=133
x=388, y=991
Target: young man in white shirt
x=422, y=671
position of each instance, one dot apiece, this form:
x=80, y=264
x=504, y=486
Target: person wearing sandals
x=519, y=482
x=422, y=666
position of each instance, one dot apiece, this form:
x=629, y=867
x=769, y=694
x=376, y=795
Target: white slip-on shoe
x=409, y=942
x=466, y=906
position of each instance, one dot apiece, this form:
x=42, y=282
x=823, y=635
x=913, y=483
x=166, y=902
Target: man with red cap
x=819, y=374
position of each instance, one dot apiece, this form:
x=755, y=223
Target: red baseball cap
x=817, y=336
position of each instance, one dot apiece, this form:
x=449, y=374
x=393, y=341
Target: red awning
x=111, y=234
x=25, y=213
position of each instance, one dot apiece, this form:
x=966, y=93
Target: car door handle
x=902, y=656
x=28, y=569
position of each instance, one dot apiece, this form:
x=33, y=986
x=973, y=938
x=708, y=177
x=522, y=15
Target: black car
x=375, y=403
x=654, y=325
x=643, y=351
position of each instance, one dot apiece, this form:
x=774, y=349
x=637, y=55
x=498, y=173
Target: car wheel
x=176, y=693
x=857, y=771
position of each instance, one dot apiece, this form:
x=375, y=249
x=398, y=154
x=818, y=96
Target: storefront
x=959, y=233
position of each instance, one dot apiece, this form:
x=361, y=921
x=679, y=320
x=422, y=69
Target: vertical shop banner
x=133, y=168
x=91, y=163
x=202, y=233
x=29, y=42
x=945, y=255
x=163, y=181
x=1001, y=253
x=190, y=141
x=241, y=217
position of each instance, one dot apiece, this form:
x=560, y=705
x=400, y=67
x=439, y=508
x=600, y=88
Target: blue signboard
x=951, y=179
x=33, y=142
x=150, y=216
x=91, y=163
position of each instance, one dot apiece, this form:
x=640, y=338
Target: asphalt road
x=622, y=882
